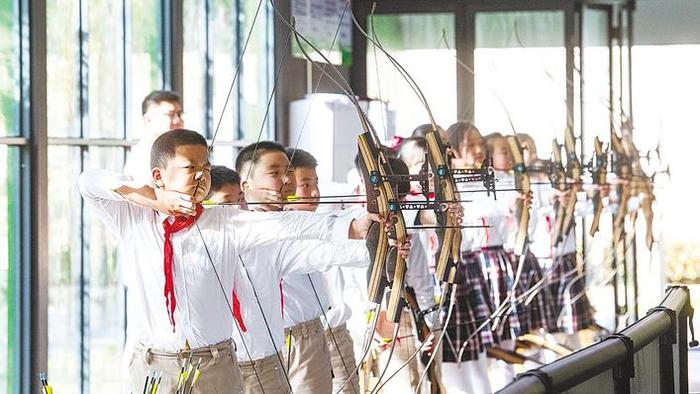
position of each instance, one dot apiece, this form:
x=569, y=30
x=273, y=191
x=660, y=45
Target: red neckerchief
x=237, y=312
x=180, y=223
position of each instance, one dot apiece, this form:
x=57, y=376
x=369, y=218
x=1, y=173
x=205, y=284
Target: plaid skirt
x=567, y=285
x=499, y=269
x=468, y=330
x=538, y=312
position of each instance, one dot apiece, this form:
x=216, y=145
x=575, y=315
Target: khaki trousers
x=342, y=360
x=271, y=376
x=308, y=359
x=407, y=379
x=219, y=369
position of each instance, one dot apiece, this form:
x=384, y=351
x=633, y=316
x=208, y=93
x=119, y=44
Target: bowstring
x=330, y=329
x=267, y=325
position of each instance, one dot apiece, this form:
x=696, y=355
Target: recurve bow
x=599, y=172
x=557, y=177
x=573, y=174
x=522, y=181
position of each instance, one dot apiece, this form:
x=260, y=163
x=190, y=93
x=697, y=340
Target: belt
x=306, y=327
x=260, y=361
x=213, y=351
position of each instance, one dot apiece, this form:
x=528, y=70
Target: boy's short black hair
x=301, y=158
x=222, y=176
x=457, y=131
x=251, y=153
x=164, y=146
x=160, y=96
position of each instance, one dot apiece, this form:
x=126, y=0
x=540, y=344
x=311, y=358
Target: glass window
x=65, y=257
x=105, y=69
x=194, y=64
x=596, y=78
x=416, y=41
x=146, y=58
x=520, y=72
x=9, y=69
x=212, y=41
x=62, y=60
x=665, y=116
x=594, y=82
x=86, y=295
x=105, y=294
x=9, y=193
x=256, y=79
x=224, y=64
x=9, y=220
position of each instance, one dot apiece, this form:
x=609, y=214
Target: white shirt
x=225, y=232
x=485, y=211
x=138, y=163
x=541, y=222
x=266, y=266
x=334, y=284
x=338, y=289
x=544, y=218
x=300, y=298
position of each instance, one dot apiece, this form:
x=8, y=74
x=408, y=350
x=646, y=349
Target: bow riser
x=450, y=238
x=377, y=239
x=621, y=167
x=599, y=175
x=380, y=196
x=522, y=181
x=558, y=180
x=573, y=172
